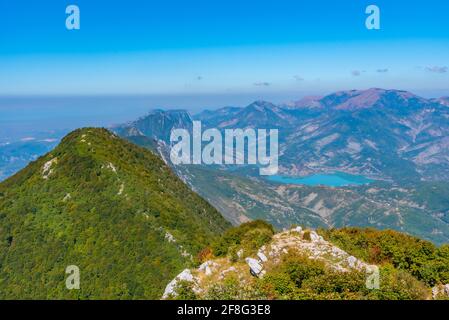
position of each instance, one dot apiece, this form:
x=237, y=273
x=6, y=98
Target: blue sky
x=282, y=49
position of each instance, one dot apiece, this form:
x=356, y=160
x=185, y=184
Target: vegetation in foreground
x=409, y=268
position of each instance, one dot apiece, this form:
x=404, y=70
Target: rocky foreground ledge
x=246, y=267
x=307, y=242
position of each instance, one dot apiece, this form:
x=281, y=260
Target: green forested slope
x=420, y=258
x=113, y=209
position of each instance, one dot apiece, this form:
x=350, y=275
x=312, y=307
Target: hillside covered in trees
x=111, y=208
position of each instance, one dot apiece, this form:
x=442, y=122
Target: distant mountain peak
x=372, y=97
x=170, y=113
x=359, y=99
x=262, y=104
x=443, y=101
x=305, y=102
x=157, y=124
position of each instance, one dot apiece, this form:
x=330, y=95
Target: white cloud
x=28, y=139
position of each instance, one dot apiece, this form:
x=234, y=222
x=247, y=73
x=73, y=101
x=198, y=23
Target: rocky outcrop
x=308, y=242
x=262, y=257
x=194, y=277
x=207, y=267
x=314, y=237
x=47, y=169
x=315, y=248
x=440, y=292
x=226, y=271
x=170, y=290
x=255, y=267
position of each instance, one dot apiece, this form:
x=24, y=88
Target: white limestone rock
x=254, y=266
x=47, y=169
x=262, y=257
x=337, y=252
x=185, y=275
x=226, y=271
x=314, y=237
x=440, y=291
x=297, y=229
x=274, y=251
x=359, y=265
x=208, y=267
x=111, y=167
x=169, y=237
x=122, y=188
x=352, y=261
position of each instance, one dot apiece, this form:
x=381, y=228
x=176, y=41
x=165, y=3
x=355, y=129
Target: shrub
x=399, y=285
x=248, y=236
x=184, y=291
x=299, y=267
x=278, y=285
x=336, y=285
x=418, y=257
x=306, y=236
x=204, y=255
x=231, y=288
x=299, y=277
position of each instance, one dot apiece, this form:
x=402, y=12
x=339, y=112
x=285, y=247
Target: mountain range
x=385, y=134
x=395, y=137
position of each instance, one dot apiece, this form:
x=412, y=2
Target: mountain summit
x=361, y=99
x=107, y=206
x=157, y=124
x=259, y=114
x=443, y=100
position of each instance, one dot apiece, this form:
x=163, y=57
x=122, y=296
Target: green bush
x=399, y=285
x=299, y=267
x=278, y=285
x=231, y=288
x=420, y=258
x=249, y=236
x=335, y=285
x=298, y=277
x=306, y=236
x=184, y=291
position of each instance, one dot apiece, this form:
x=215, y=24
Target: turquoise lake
x=337, y=179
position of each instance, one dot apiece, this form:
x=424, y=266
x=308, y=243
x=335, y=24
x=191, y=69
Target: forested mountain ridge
x=111, y=208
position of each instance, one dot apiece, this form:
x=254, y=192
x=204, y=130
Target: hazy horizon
x=126, y=60
x=21, y=116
